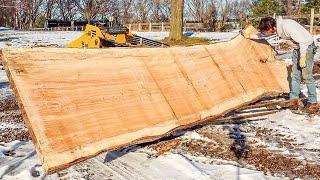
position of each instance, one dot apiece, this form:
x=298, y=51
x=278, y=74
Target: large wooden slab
x=80, y=102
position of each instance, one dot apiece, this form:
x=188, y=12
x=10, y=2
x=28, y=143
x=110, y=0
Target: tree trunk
x=88, y=17
x=289, y=7
x=176, y=25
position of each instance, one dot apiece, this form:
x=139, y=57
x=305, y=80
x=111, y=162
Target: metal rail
x=141, y=41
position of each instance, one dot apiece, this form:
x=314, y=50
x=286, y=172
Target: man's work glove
x=302, y=62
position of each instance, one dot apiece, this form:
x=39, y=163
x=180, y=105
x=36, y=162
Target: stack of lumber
x=79, y=102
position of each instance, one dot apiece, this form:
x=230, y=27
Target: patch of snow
x=212, y=36
x=191, y=135
x=2, y=44
x=24, y=175
x=224, y=169
x=23, y=39
x=216, y=36
x=4, y=29
x=153, y=35
x=5, y=90
x=317, y=39
x=19, y=164
x=11, y=146
x=132, y=165
x=290, y=125
x=4, y=125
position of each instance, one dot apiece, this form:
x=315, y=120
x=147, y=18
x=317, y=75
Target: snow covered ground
x=279, y=146
x=4, y=29
x=132, y=165
x=62, y=38
x=216, y=36
x=19, y=39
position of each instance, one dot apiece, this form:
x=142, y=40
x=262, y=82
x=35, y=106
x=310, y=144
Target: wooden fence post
x=150, y=27
x=311, y=20
x=72, y=25
x=162, y=26
x=129, y=27
x=185, y=26
x=139, y=26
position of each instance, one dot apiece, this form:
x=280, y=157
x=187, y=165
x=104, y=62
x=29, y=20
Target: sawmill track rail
x=142, y=41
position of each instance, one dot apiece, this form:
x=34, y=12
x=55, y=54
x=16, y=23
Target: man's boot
x=296, y=104
x=312, y=108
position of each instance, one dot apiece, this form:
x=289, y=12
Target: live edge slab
x=78, y=103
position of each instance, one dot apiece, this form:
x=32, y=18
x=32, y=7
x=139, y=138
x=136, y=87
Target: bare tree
x=196, y=9
x=224, y=14
x=124, y=9
x=159, y=9
x=67, y=9
x=30, y=10
x=7, y=12
x=226, y=10
x=298, y=4
x=201, y=10
x=142, y=10
x=166, y=10
x=88, y=8
x=294, y=6
x=211, y=13
x=49, y=7
x=288, y=7
x=240, y=10
x=91, y=8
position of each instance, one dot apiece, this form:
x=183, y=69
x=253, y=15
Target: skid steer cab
x=102, y=36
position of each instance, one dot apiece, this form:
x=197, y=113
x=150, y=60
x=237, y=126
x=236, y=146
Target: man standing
x=303, y=54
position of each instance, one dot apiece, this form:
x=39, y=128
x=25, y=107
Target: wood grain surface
x=80, y=102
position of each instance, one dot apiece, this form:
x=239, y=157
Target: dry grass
x=187, y=41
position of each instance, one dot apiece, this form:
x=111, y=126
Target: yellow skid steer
x=97, y=36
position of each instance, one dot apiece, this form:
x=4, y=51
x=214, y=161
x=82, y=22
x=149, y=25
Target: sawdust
x=11, y=134
x=167, y=146
x=8, y=104
x=230, y=143
x=12, y=127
